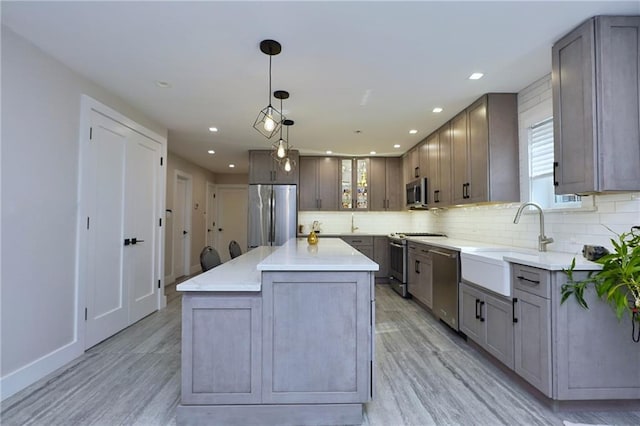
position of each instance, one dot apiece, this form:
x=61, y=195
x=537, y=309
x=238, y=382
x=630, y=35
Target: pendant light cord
x=270, y=56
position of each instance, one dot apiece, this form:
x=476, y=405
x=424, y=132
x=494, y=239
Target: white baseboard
x=36, y=370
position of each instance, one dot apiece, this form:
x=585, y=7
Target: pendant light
x=269, y=119
x=280, y=147
x=288, y=164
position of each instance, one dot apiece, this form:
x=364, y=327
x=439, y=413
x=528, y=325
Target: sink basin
x=487, y=268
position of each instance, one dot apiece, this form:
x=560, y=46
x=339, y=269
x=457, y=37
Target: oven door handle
x=396, y=245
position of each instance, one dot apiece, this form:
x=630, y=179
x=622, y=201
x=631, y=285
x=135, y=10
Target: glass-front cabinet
x=354, y=182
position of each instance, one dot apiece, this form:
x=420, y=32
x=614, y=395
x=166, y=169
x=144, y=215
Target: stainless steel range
x=398, y=259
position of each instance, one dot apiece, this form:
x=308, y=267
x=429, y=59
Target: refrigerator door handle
x=272, y=221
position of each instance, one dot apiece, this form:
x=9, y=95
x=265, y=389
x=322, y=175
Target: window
x=541, y=189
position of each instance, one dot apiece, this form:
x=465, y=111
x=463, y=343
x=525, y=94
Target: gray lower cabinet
x=487, y=319
x=420, y=280
x=596, y=104
x=381, y=254
x=221, y=349
x=532, y=331
x=364, y=244
x=317, y=337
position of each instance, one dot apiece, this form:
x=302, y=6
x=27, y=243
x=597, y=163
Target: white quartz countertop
x=549, y=260
x=239, y=274
x=330, y=254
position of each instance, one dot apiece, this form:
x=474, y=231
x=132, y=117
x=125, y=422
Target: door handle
x=208, y=230
x=481, y=316
x=220, y=229
x=184, y=232
x=477, y=314
x=136, y=241
x=417, y=267
x=127, y=241
x=513, y=308
x=555, y=167
x=436, y=196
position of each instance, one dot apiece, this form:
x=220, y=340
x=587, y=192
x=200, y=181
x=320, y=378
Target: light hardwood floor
x=426, y=375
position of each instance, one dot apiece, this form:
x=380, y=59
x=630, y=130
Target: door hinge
x=90, y=133
x=160, y=222
x=161, y=160
x=85, y=314
x=88, y=219
x=158, y=283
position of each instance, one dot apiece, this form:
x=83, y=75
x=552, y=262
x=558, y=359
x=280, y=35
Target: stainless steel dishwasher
x=446, y=274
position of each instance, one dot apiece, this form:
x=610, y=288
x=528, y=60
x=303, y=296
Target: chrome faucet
x=543, y=240
x=353, y=228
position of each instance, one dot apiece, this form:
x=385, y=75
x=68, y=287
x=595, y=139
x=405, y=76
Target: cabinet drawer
x=366, y=240
x=532, y=280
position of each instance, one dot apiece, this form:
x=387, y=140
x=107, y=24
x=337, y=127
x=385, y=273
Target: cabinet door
x=395, y=190
x=532, y=335
x=444, y=164
x=470, y=323
x=317, y=337
x=416, y=167
x=261, y=168
x=477, y=186
x=328, y=193
x=413, y=274
x=498, y=315
x=381, y=256
x=433, y=179
x=377, y=187
x=221, y=349
x=425, y=164
x=618, y=102
x=425, y=279
x=308, y=191
x=572, y=75
x=459, y=157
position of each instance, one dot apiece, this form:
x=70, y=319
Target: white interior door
x=141, y=222
x=181, y=225
x=210, y=215
x=232, y=204
x=107, y=295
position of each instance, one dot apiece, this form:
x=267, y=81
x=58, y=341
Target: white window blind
x=541, y=149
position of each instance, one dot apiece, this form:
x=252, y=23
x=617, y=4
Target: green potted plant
x=618, y=282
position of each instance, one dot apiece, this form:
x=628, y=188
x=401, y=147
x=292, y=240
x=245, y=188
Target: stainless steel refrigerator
x=272, y=214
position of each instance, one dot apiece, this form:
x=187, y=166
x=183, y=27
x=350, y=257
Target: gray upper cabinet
x=263, y=169
x=385, y=184
x=319, y=177
x=438, y=148
x=596, y=102
x=485, y=151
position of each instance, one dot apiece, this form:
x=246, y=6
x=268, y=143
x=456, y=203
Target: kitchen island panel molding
x=317, y=337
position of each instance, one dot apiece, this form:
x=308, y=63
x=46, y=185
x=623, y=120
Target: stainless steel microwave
x=417, y=194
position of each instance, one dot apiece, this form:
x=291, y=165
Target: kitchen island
x=279, y=336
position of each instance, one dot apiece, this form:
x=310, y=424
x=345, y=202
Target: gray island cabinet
x=279, y=336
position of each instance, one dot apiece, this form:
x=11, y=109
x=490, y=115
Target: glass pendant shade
x=281, y=151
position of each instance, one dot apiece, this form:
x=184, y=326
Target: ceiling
x=360, y=74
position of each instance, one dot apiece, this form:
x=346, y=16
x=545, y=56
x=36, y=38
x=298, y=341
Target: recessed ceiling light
x=232, y=166
x=437, y=109
x=163, y=84
x=211, y=151
x=213, y=129
x=329, y=152
x=413, y=131
x=397, y=145
x=372, y=153
x=476, y=76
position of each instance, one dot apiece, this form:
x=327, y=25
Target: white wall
x=40, y=124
